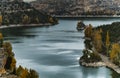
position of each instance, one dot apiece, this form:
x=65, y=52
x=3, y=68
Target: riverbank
x=86, y=16
x=25, y=25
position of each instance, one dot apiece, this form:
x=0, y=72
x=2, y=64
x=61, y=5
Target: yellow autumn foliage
x=115, y=51
x=101, y=30
x=51, y=20
x=1, y=36
x=88, y=31
x=0, y=19
x=8, y=47
x=25, y=19
x=24, y=73
x=107, y=39
x=13, y=64
x=97, y=40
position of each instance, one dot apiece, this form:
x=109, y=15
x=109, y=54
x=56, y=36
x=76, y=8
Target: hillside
x=23, y=13
x=114, y=31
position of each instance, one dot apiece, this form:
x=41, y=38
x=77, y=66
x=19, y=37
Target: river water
x=54, y=51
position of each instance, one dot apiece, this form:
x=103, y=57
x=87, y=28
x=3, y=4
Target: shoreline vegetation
x=84, y=16
x=25, y=25
x=102, y=47
x=8, y=67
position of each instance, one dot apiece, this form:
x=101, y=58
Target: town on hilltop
x=78, y=7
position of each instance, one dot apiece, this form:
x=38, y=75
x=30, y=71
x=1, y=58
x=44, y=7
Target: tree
x=115, y=52
x=7, y=47
x=0, y=19
x=13, y=64
x=37, y=20
x=1, y=40
x=8, y=63
x=6, y=21
x=25, y=73
x=33, y=74
x=97, y=40
x=51, y=20
x=25, y=19
x=88, y=31
x=107, y=41
x=19, y=70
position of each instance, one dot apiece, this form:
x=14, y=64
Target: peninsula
x=102, y=47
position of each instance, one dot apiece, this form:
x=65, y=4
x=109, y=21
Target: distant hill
x=78, y=7
x=23, y=13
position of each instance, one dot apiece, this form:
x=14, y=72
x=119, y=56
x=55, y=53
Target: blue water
x=54, y=51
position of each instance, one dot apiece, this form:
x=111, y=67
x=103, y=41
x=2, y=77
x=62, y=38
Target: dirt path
x=110, y=64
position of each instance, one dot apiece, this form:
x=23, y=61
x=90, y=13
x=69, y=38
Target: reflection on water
x=115, y=75
x=54, y=51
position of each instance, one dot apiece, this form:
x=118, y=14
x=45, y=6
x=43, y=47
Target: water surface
x=54, y=51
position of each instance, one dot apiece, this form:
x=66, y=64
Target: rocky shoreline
x=95, y=64
x=96, y=51
x=103, y=63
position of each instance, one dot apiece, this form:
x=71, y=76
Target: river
x=54, y=51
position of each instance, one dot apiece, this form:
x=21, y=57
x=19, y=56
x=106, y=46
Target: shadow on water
x=89, y=71
x=115, y=75
x=16, y=32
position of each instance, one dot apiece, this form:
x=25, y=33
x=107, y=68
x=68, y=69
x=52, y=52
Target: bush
x=89, y=56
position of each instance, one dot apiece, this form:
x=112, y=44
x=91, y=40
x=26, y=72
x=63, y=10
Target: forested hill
x=113, y=29
x=16, y=12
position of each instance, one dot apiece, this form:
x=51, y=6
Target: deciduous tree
x=1, y=20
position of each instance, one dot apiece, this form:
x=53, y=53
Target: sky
x=28, y=0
